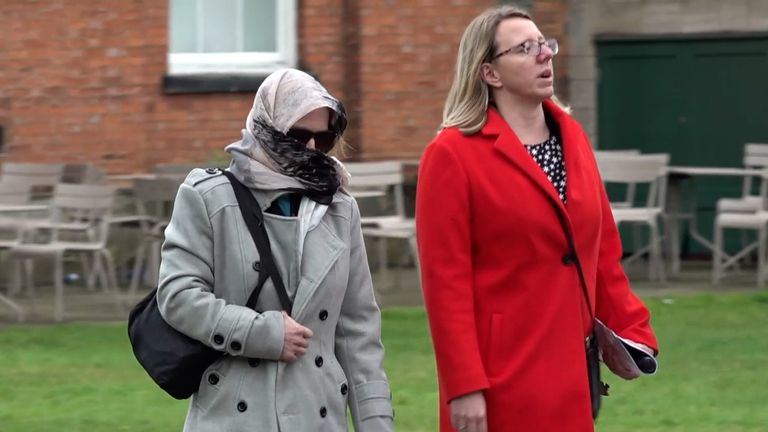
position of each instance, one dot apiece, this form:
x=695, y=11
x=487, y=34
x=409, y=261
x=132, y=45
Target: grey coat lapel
x=322, y=248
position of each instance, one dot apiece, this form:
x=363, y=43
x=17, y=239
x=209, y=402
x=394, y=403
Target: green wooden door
x=698, y=99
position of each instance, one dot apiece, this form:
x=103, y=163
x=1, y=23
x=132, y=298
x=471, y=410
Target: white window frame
x=243, y=63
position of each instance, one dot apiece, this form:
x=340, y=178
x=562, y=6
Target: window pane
x=219, y=26
x=183, y=23
x=260, y=25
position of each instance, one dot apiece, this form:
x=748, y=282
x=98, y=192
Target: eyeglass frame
x=528, y=50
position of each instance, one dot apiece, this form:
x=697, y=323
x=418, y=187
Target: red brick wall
x=81, y=79
x=408, y=51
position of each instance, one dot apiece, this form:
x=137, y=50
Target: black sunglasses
x=324, y=140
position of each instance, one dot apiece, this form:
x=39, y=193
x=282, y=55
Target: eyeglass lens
x=324, y=140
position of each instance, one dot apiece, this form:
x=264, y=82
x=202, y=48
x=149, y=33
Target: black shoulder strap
x=254, y=219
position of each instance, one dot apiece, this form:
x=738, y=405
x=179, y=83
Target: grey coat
x=209, y=267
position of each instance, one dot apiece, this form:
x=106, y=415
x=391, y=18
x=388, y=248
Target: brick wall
x=408, y=51
x=81, y=79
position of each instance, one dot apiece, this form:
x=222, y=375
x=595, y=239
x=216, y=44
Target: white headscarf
x=265, y=158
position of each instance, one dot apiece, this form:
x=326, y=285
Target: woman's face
x=525, y=75
x=312, y=123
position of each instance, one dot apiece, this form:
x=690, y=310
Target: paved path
x=398, y=287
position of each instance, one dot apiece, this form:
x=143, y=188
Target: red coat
x=505, y=307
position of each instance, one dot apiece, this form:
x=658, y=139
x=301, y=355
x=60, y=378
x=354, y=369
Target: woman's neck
x=524, y=117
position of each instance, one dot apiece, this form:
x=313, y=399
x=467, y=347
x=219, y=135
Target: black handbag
x=173, y=360
x=597, y=388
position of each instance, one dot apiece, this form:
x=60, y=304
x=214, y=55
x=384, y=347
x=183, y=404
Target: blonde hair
x=467, y=101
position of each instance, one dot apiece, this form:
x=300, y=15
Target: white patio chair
x=41, y=176
x=78, y=224
x=640, y=169
x=628, y=197
x=378, y=188
x=755, y=156
x=739, y=219
x=11, y=195
x=154, y=202
x=83, y=173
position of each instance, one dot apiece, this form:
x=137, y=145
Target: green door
x=698, y=99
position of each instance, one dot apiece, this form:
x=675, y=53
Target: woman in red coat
x=501, y=188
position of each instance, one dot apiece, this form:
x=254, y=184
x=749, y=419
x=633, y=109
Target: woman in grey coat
x=280, y=373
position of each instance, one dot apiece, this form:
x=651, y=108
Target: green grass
x=713, y=375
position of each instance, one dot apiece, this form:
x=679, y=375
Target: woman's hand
x=468, y=412
x=295, y=339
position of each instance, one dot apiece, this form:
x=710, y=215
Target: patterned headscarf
x=266, y=158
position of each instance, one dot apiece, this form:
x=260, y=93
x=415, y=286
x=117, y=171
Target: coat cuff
x=373, y=401
x=243, y=332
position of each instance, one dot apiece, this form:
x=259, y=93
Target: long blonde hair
x=467, y=101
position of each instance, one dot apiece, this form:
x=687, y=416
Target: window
x=231, y=36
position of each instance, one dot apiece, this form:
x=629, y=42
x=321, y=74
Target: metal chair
x=742, y=220
x=78, y=224
x=41, y=176
x=378, y=187
x=640, y=169
x=154, y=203
x=755, y=156
x=12, y=196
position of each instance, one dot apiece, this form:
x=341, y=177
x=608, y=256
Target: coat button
x=323, y=412
x=344, y=388
x=254, y=362
x=235, y=345
x=218, y=339
x=242, y=406
x=323, y=315
x=256, y=265
x=211, y=170
x=213, y=379
x=318, y=361
x=567, y=259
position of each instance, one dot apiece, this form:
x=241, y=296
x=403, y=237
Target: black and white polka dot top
x=549, y=156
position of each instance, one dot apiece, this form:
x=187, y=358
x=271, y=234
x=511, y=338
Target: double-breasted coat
x=505, y=306
x=210, y=266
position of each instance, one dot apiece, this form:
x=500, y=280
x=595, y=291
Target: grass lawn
x=713, y=375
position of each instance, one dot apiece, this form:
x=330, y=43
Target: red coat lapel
x=509, y=145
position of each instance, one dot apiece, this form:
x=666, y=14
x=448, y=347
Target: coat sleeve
x=358, y=342
x=185, y=296
x=443, y=216
x=615, y=305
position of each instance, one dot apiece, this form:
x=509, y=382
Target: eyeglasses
x=530, y=48
x=324, y=140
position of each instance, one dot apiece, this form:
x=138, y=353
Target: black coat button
x=256, y=265
x=242, y=406
x=567, y=259
x=254, y=362
x=323, y=315
x=323, y=412
x=318, y=361
x=344, y=388
x=211, y=170
x=235, y=345
x=213, y=379
x=218, y=339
